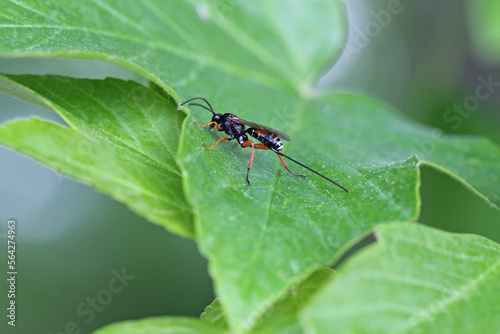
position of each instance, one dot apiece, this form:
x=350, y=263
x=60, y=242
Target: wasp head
x=217, y=118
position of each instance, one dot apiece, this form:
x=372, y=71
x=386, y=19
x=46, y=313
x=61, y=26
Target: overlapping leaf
x=413, y=280
x=123, y=141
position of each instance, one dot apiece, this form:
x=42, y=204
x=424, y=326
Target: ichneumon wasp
x=235, y=128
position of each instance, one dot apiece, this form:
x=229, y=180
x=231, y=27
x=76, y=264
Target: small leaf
x=299, y=295
x=281, y=317
x=414, y=279
x=214, y=314
x=123, y=140
x=165, y=325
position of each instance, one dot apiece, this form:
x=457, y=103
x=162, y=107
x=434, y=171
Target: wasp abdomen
x=270, y=140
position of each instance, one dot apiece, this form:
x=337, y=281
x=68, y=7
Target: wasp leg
x=254, y=146
x=286, y=167
x=217, y=143
x=261, y=147
x=209, y=124
x=246, y=144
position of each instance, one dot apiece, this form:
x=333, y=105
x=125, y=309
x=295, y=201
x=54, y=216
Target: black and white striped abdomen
x=269, y=139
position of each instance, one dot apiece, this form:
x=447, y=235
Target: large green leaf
x=123, y=141
x=177, y=43
x=413, y=280
x=282, y=227
x=260, y=59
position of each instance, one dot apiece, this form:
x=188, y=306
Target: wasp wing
x=261, y=127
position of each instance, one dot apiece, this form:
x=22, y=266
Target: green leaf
x=165, y=325
x=172, y=42
x=414, y=279
x=297, y=296
x=260, y=60
x=276, y=230
x=214, y=314
x=282, y=317
x=123, y=141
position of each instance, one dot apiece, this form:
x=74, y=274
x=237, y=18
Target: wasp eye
x=216, y=118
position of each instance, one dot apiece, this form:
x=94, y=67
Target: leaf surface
x=282, y=227
x=123, y=141
x=414, y=279
x=165, y=325
x=283, y=316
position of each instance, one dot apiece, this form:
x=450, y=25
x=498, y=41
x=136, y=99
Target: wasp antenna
x=200, y=98
x=312, y=170
x=200, y=105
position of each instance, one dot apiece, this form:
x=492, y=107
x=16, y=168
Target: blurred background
x=421, y=57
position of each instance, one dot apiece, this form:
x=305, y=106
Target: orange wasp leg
x=209, y=124
x=217, y=143
x=254, y=146
x=286, y=167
